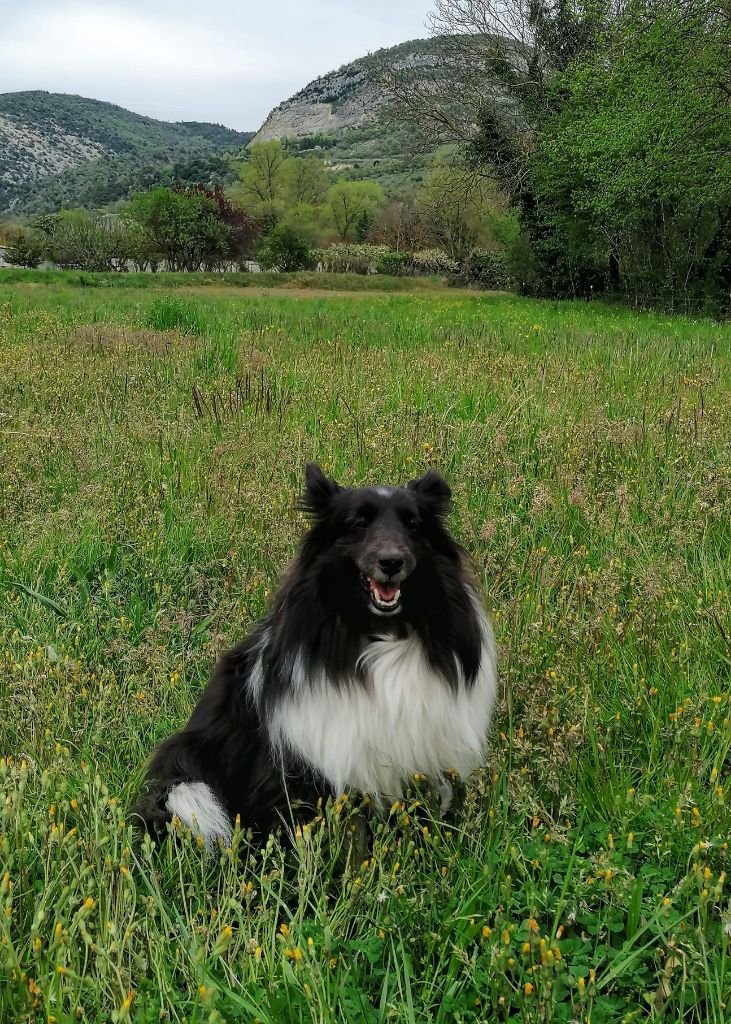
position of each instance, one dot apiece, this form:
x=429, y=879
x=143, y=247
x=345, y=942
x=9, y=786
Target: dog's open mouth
x=385, y=597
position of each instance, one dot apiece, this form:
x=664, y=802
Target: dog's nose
x=391, y=564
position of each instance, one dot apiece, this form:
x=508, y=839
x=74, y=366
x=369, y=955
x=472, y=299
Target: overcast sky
x=193, y=60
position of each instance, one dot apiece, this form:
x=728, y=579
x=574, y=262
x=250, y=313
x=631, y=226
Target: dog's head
x=380, y=537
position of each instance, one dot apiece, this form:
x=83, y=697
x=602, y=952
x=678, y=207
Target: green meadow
x=152, y=445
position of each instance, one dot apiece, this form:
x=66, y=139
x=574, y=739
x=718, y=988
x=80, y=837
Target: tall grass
x=303, y=279
x=150, y=450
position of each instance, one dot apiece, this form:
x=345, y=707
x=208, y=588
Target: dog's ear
x=434, y=490
x=319, y=490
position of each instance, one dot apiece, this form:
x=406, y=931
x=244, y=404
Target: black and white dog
x=376, y=662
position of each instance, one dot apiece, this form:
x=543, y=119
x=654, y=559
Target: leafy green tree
x=461, y=210
x=306, y=221
x=606, y=123
x=276, y=187
x=83, y=240
x=24, y=248
x=633, y=173
x=263, y=186
x=348, y=201
x=305, y=181
x=183, y=227
x=284, y=250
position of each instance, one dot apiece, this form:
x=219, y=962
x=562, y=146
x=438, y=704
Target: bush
x=398, y=264
x=24, y=249
x=434, y=261
x=352, y=258
x=284, y=250
x=85, y=240
x=486, y=269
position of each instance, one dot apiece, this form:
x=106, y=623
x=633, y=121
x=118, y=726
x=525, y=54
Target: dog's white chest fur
x=405, y=720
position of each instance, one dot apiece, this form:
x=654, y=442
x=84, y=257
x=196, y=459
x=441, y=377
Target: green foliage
x=396, y=263
x=263, y=182
x=283, y=249
x=434, y=261
x=147, y=482
x=461, y=210
x=113, y=152
x=486, y=269
x=79, y=240
x=182, y=226
x=349, y=201
x=352, y=257
x=304, y=220
x=620, y=163
x=24, y=248
x=283, y=190
x=636, y=167
x=305, y=180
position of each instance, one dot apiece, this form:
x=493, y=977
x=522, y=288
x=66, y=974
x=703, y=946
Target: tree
x=490, y=87
x=183, y=226
x=306, y=221
x=24, y=248
x=461, y=210
x=263, y=185
x=636, y=164
x=242, y=230
x=347, y=201
x=83, y=240
x=400, y=226
x=282, y=249
x=605, y=122
x=272, y=185
x=305, y=180
x=495, y=56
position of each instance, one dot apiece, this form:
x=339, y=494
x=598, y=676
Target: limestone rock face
x=350, y=97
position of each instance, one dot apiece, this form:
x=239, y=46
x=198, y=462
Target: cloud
x=225, y=61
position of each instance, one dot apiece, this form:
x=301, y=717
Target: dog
x=376, y=662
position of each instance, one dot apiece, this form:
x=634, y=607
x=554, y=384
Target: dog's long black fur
x=362, y=545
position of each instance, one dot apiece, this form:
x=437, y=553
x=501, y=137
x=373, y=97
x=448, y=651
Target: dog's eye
x=359, y=524
x=412, y=524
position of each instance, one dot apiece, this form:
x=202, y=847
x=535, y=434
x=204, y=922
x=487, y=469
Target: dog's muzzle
x=385, y=596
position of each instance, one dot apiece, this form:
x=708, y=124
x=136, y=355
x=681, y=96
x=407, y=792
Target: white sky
x=193, y=60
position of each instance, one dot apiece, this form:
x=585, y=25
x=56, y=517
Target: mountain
x=350, y=97
x=338, y=116
x=60, y=150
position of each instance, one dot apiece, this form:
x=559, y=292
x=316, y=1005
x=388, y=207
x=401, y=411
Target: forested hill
x=60, y=150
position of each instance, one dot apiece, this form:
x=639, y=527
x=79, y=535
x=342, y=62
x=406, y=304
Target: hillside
x=338, y=114
x=57, y=149
x=349, y=97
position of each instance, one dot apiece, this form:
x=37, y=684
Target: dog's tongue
x=386, y=591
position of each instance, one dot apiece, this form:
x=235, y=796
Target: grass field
x=303, y=280
x=151, y=446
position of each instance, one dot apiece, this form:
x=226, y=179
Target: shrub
x=434, y=261
x=346, y=258
x=24, y=249
x=87, y=240
x=399, y=264
x=486, y=269
x=284, y=250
